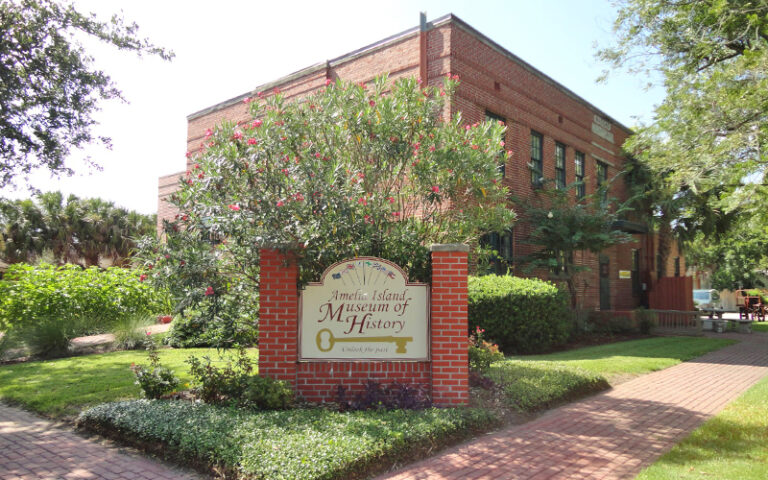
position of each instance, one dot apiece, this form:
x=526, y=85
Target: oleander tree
x=353, y=170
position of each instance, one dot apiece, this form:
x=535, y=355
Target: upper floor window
x=602, y=180
x=559, y=165
x=501, y=261
x=492, y=117
x=537, y=164
x=581, y=190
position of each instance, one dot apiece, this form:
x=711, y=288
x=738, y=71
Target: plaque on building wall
x=602, y=128
x=364, y=309
x=625, y=274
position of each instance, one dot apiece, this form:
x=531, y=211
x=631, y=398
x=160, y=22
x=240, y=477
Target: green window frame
x=559, y=165
x=537, y=162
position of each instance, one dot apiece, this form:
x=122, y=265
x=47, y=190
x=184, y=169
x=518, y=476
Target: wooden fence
x=672, y=293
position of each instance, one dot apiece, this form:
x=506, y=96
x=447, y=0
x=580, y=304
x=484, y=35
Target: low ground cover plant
x=528, y=386
x=292, y=444
x=524, y=315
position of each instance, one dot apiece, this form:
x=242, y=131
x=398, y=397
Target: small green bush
x=482, y=353
x=48, y=336
x=200, y=328
x=235, y=384
x=524, y=315
x=130, y=331
x=155, y=380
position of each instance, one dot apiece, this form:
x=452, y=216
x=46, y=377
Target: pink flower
x=208, y=133
x=391, y=199
x=200, y=175
x=475, y=147
x=252, y=141
x=432, y=148
x=237, y=136
x=148, y=333
x=442, y=93
x=396, y=214
x=372, y=103
x=247, y=100
x=189, y=154
x=328, y=81
x=436, y=189
x=197, y=166
x=362, y=201
x=142, y=277
x=280, y=203
x=234, y=207
x=190, y=182
x=209, y=291
x=256, y=123
x=501, y=143
x=276, y=90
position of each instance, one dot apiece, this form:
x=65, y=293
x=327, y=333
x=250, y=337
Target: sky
x=227, y=48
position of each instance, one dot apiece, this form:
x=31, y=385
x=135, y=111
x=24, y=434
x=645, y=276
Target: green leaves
x=50, y=88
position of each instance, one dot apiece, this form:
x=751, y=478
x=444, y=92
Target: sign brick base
x=446, y=375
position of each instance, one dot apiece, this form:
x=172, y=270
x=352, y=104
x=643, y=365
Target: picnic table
x=743, y=324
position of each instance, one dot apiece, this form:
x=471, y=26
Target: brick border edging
x=446, y=375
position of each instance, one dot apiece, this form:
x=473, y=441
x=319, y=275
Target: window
x=677, y=266
x=492, y=117
x=581, y=190
x=537, y=165
x=636, y=285
x=659, y=266
x=602, y=180
x=559, y=165
x=503, y=244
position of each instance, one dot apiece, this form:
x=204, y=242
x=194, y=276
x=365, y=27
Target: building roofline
x=448, y=18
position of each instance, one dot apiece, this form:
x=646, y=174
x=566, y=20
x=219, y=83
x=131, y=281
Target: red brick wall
x=491, y=79
x=445, y=376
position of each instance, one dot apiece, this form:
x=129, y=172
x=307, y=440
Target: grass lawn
x=634, y=357
x=533, y=382
x=732, y=445
x=63, y=387
x=760, y=327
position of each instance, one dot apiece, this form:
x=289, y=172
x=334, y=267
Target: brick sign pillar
x=445, y=373
x=450, y=364
x=278, y=313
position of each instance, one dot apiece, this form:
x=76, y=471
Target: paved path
x=33, y=449
x=609, y=436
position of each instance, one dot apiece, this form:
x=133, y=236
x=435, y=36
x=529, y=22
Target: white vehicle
x=706, y=298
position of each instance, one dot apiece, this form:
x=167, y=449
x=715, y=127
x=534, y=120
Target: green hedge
x=31, y=293
x=523, y=315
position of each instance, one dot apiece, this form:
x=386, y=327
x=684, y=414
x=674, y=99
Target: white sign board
x=364, y=309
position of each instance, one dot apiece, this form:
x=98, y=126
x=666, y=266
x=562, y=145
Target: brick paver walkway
x=609, y=436
x=33, y=449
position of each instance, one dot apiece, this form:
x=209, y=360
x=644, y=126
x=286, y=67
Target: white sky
x=226, y=48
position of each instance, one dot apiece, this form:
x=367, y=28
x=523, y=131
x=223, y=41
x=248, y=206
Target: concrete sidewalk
x=612, y=435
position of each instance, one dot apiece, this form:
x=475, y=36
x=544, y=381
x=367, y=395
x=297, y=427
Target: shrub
x=129, y=331
x=235, y=384
x=29, y=294
x=48, y=336
x=156, y=380
x=211, y=328
x=524, y=315
x=482, y=353
x=375, y=396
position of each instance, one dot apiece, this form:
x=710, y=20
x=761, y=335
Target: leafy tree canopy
x=72, y=230
x=49, y=87
x=709, y=133
x=350, y=171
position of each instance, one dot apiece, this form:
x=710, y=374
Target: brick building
x=548, y=126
